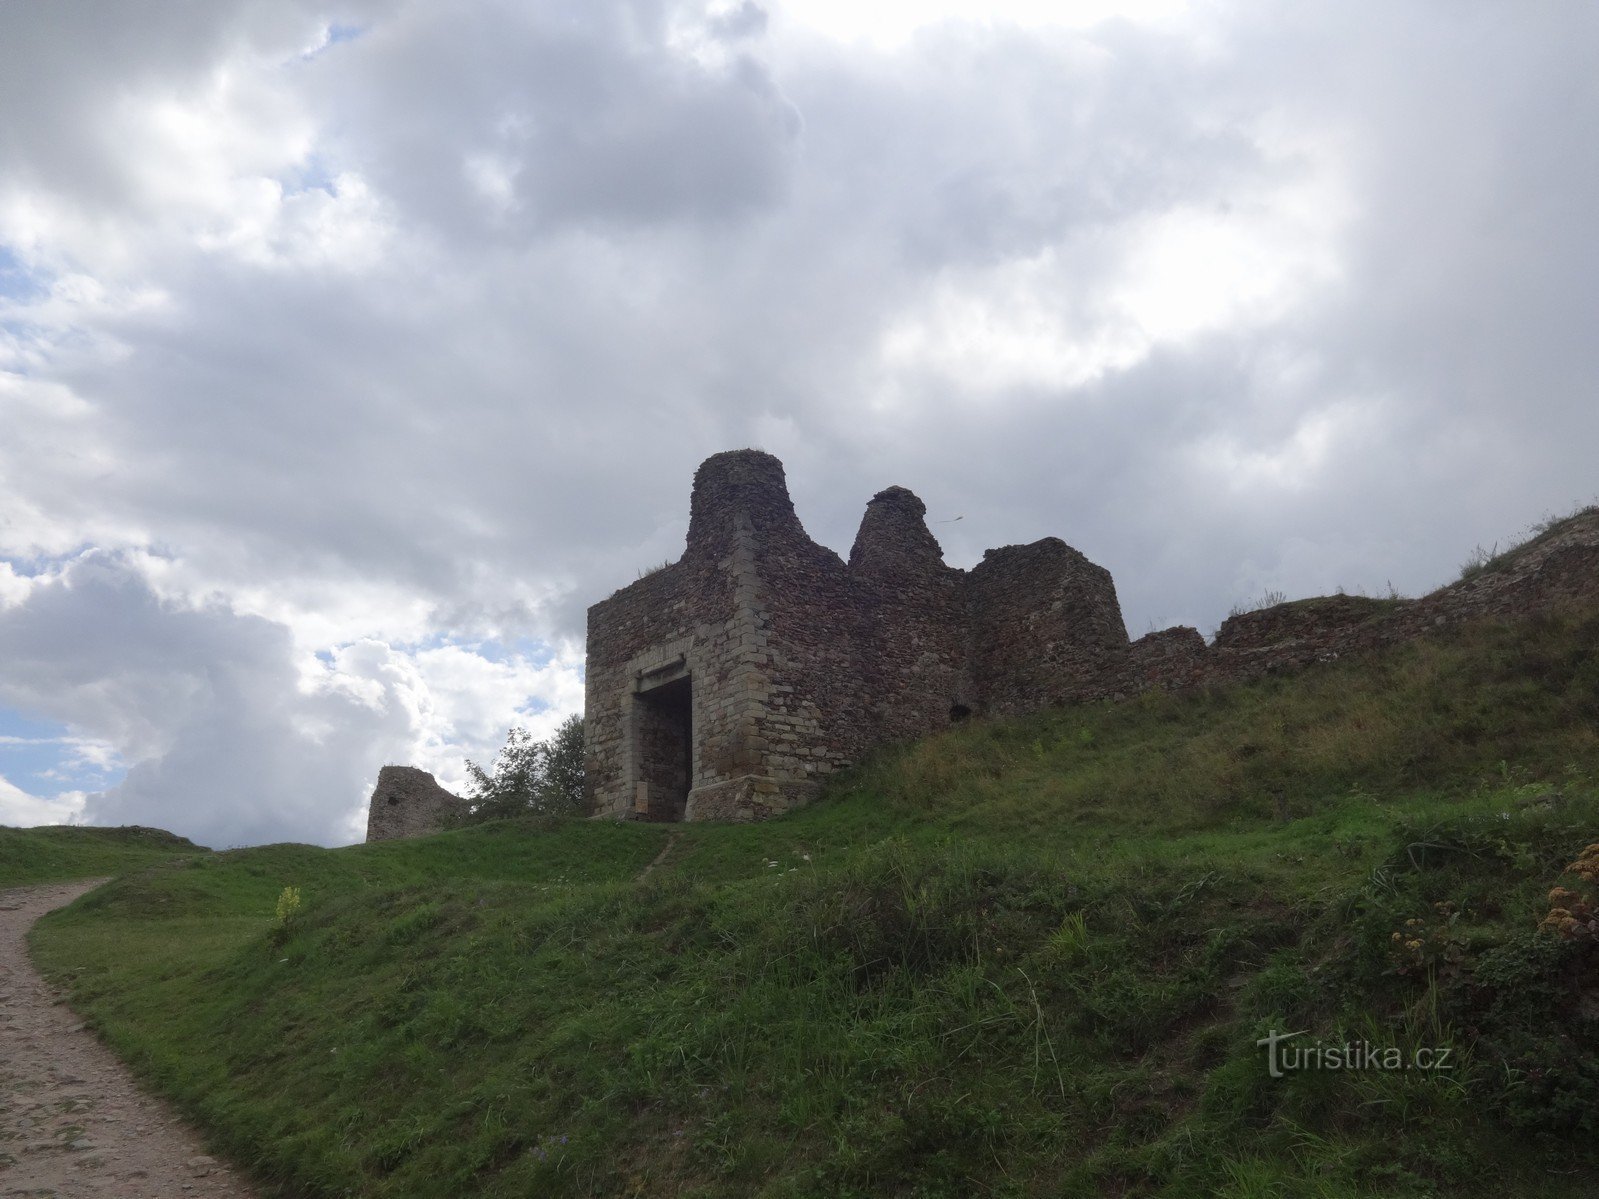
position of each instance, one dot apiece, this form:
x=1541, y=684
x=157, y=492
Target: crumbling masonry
x=726, y=685
x=408, y=802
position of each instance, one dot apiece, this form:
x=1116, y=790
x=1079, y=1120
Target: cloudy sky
x=348, y=351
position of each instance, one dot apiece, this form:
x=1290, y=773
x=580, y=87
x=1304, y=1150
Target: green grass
x=59, y=853
x=1021, y=958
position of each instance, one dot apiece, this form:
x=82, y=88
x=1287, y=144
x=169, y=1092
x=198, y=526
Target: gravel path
x=72, y=1121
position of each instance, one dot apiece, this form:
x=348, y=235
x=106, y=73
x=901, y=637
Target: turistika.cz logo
x=1282, y=1058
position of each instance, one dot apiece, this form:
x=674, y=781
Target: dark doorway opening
x=665, y=717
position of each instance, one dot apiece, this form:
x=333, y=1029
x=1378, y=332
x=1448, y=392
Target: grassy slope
x=1022, y=958
x=54, y=854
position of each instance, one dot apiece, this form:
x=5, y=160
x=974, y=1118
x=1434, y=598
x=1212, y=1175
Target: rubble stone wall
x=408, y=802
x=1046, y=627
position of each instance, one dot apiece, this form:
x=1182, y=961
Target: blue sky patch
x=42, y=757
x=310, y=175
x=44, y=564
x=337, y=34
x=528, y=649
x=17, y=282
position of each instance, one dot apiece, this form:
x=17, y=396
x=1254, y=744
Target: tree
x=563, y=765
x=542, y=777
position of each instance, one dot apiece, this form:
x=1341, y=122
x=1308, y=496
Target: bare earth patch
x=72, y=1121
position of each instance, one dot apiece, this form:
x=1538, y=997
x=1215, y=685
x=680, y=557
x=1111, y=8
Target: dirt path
x=671, y=840
x=72, y=1122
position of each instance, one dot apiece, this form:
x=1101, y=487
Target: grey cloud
x=749, y=19
x=1466, y=306
x=66, y=69
x=988, y=146
x=586, y=112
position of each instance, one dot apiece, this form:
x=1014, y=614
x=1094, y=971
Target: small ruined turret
x=910, y=616
x=741, y=491
x=894, y=540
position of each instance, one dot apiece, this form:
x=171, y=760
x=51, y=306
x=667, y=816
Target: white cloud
x=19, y=809
x=1015, y=325
x=14, y=588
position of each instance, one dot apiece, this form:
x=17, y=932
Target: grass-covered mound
x=58, y=852
x=1021, y=958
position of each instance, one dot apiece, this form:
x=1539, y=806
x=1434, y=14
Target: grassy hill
x=55, y=853
x=1024, y=958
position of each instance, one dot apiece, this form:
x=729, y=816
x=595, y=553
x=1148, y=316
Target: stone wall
x=1046, y=627
x=1173, y=659
x=1559, y=567
x=408, y=802
x=728, y=684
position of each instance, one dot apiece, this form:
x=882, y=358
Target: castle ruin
x=728, y=684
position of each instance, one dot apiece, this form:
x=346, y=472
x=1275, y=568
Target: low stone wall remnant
x=408, y=802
